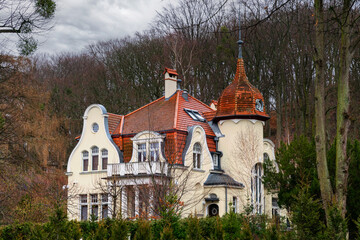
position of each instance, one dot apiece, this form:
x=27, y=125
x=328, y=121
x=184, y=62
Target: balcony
x=137, y=168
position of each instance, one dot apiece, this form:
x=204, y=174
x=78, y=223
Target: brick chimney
x=170, y=82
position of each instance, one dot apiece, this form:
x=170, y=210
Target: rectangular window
x=143, y=201
x=130, y=201
x=104, y=211
x=142, y=152
x=85, y=157
x=104, y=206
x=216, y=160
x=85, y=165
x=235, y=204
x=83, y=207
x=83, y=198
x=94, y=205
x=104, y=159
x=196, y=159
x=95, y=162
x=154, y=152
x=84, y=211
x=104, y=163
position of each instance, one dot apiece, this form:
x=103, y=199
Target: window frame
x=235, y=204
x=94, y=202
x=85, y=158
x=197, y=155
x=83, y=205
x=103, y=158
x=94, y=156
x=195, y=115
x=154, y=152
x=257, y=188
x=104, y=203
x=142, y=152
x=150, y=138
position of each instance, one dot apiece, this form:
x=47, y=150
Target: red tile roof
x=238, y=99
x=171, y=71
x=162, y=115
x=166, y=117
x=114, y=121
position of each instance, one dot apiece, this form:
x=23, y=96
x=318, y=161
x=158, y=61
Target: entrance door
x=213, y=210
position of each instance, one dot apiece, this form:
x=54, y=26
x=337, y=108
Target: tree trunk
x=322, y=168
x=343, y=121
x=278, y=115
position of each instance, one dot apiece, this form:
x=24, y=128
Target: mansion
x=209, y=156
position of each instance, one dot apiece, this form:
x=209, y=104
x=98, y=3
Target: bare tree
x=26, y=18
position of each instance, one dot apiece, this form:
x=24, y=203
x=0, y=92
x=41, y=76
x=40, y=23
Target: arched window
x=197, y=155
x=104, y=158
x=85, y=160
x=257, y=189
x=95, y=158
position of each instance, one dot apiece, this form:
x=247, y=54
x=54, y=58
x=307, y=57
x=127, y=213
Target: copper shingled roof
x=238, y=99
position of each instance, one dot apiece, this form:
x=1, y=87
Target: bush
x=119, y=229
x=232, y=224
x=143, y=230
x=193, y=230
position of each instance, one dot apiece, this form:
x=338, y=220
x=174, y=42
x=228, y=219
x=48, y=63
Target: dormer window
x=142, y=152
x=197, y=156
x=154, y=151
x=147, y=146
x=195, y=115
x=95, y=158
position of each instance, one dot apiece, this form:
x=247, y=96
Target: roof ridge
x=115, y=114
x=144, y=106
x=176, y=110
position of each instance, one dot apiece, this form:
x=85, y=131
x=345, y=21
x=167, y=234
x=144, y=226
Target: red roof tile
x=114, y=121
x=209, y=115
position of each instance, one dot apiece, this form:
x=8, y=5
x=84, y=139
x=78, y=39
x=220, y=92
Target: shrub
x=232, y=224
x=143, y=230
x=193, y=230
x=119, y=229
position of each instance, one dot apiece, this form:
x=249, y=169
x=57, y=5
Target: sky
x=78, y=23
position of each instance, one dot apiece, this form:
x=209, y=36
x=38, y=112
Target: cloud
x=79, y=23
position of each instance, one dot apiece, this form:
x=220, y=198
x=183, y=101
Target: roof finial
x=240, y=42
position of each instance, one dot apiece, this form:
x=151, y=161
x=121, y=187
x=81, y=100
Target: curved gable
x=94, y=114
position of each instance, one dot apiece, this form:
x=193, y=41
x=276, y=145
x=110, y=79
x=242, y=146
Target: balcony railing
x=136, y=168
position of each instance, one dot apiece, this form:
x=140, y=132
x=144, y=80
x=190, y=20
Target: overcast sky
x=79, y=23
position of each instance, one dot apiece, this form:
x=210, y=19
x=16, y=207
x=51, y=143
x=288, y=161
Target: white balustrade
x=136, y=168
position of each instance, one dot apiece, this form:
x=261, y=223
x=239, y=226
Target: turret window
x=85, y=158
x=197, y=156
x=95, y=158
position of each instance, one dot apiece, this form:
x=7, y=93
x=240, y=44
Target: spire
x=240, y=42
